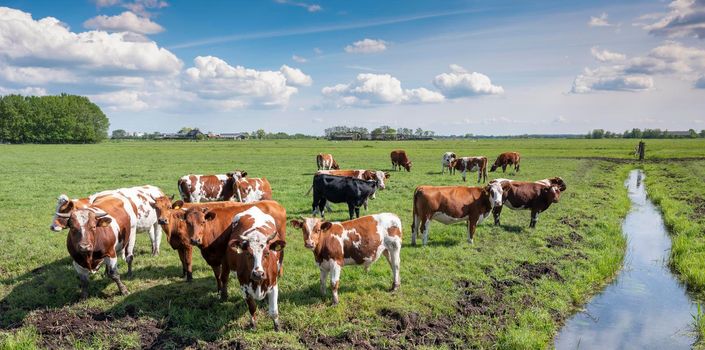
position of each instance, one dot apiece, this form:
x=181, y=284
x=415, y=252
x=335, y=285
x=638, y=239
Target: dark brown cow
x=536, y=196
x=171, y=218
x=209, y=230
x=451, y=204
x=506, y=158
x=207, y=188
x=399, y=160
x=325, y=161
x=97, y=233
x=472, y=164
x=248, y=190
x=355, y=242
x=254, y=253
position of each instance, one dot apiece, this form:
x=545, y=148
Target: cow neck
x=237, y=187
x=209, y=233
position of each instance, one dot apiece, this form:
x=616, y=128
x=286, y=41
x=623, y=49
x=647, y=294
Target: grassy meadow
x=512, y=289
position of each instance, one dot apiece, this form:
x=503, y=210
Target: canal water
x=645, y=307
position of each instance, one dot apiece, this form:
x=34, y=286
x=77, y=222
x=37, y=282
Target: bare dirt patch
x=572, y=222
x=556, y=242
x=533, y=271
x=698, y=204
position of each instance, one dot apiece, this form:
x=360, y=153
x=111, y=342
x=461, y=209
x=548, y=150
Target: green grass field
x=512, y=289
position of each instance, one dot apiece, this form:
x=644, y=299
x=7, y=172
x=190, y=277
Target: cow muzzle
x=308, y=244
x=196, y=242
x=85, y=247
x=161, y=221
x=257, y=275
x=55, y=228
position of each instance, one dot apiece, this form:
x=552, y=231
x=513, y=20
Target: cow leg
x=158, y=236
x=414, y=229
x=393, y=257
x=252, y=306
x=496, y=212
x=273, y=299
x=324, y=276
x=129, y=250
x=111, y=269
x=182, y=257
x=426, y=227
x=463, y=175
x=357, y=212
x=216, y=273
x=335, y=280
x=328, y=208
x=504, y=168
x=471, y=230
x=153, y=239
x=351, y=210
x=534, y=218
x=83, y=274
x=224, y=275
x=189, y=263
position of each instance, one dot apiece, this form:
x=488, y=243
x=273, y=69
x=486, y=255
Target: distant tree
x=598, y=134
x=692, y=134
x=702, y=133
x=261, y=134
x=377, y=132
x=201, y=136
x=118, y=134
x=185, y=130
x=418, y=132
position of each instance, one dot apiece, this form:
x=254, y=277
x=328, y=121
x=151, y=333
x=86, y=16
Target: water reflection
x=645, y=307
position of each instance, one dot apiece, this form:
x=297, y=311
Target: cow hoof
x=124, y=292
x=395, y=287
x=276, y=326
x=189, y=277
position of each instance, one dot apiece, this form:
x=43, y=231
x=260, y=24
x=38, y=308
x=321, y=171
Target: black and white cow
x=340, y=189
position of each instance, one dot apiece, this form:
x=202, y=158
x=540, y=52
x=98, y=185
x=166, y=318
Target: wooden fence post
x=642, y=150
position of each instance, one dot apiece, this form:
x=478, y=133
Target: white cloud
x=299, y=59
x=123, y=100
x=460, y=83
x=610, y=79
x=366, y=46
x=35, y=75
x=140, y=7
x=376, y=89
x=606, y=56
x=686, y=18
x=307, y=6
x=47, y=42
x=295, y=77
x=28, y=91
x=126, y=21
x=599, y=21
x=236, y=87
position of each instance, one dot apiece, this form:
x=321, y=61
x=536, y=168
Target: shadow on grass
x=512, y=228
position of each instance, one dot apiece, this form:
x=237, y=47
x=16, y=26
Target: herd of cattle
x=237, y=226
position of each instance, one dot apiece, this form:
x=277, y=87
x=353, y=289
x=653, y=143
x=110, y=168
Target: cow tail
x=415, y=220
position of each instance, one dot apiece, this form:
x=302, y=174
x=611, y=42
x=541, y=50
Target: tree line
x=51, y=119
x=637, y=133
x=382, y=130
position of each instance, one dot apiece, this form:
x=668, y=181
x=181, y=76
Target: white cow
x=447, y=159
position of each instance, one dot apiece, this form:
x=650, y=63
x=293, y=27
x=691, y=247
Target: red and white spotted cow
x=248, y=190
x=143, y=217
x=536, y=196
x=355, y=242
x=254, y=254
x=97, y=232
x=446, y=162
x=471, y=164
x=208, y=188
x=451, y=204
x=325, y=161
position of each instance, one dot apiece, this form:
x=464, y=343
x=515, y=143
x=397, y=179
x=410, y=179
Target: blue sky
x=455, y=67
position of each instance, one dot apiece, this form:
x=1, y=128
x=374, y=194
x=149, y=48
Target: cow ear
x=68, y=206
x=238, y=245
x=386, y=175
x=104, y=221
x=297, y=223
x=210, y=216
x=243, y=173
x=326, y=225
x=178, y=204
x=277, y=245
x=172, y=197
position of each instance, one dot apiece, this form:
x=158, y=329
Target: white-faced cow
x=97, y=233
x=451, y=204
x=399, y=160
x=210, y=230
x=471, y=164
x=535, y=196
x=340, y=189
x=254, y=253
x=248, y=190
x=446, y=162
x=505, y=159
x=325, y=161
x=208, y=188
x=355, y=242
x=143, y=217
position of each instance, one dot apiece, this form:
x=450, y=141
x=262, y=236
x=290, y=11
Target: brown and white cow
x=446, y=162
x=254, y=253
x=451, y=204
x=471, y=164
x=536, y=196
x=399, y=160
x=208, y=188
x=507, y=158
x=97, y=233
x=248, y=190
x=325, y=161
x=210, y=229
x=142, y=215
x=171, y=218
x=355, y=242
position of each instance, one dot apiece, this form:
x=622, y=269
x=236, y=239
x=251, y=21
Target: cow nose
x=257, y=275
x=85, y=247
x=195, y=241
x=162, y=221
x=308, y=244
x=55, y=228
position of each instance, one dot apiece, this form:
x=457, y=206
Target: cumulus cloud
x=299, y=59
x=606, y=56
x=376, y=89
x=140, y=7
x=295, y=76
x=599, y=21
x=685, y=18
x=126, y=21
x=47, y=42
x=460, y=83
x=28, y=91
x=211, y=78
x=366, y=46
x=610, y=79
x=307, y=6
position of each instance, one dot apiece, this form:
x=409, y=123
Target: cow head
x=335, y=165
x=311, y=228
x=167, y=211
x=196, y=221
x=551, y=194
x=495, y=192
x=493, y=167
x=236, y=174
x=84, y=225
x=254, y=234
x=407, y=166
x=63, y=206
x=380, y=176
x=558, y=181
